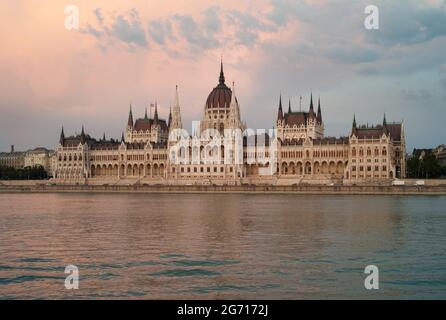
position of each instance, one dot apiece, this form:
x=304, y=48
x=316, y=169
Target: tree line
x=426, y=168
x=28, y=173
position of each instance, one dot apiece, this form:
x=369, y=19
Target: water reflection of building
x=156, y=151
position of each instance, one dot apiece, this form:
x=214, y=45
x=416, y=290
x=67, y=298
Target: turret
x=234, y=111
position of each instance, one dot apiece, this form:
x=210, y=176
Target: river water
x=221, y=246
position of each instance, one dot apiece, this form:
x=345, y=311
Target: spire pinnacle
x=177, y=97
x=289, y=106
x=280, y=112
x=62, y=136
x=319, y=112
x=83, y=135
x=130, y=120
x=311, y=103
x=169, y=122
x=145, y=115
x=155, y=116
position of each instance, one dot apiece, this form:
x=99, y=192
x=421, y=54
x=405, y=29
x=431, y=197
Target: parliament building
x=222, y=151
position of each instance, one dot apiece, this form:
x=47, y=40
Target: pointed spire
x=103, y=137
x=130, y=121
x=319, y=112
x=83, y=135
x=280, y=112
x=289, y=106
x=175, y=112
x=177, y=97
x=170, y=117
x=311, y=104
x=145, y=115
x=155, y=116
x=385, y=129
x=222, y=74
x=62, y=137
x=354, y=121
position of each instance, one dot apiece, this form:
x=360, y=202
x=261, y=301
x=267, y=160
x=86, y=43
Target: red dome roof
x=220, y=97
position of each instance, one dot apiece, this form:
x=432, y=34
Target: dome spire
x=222, y=74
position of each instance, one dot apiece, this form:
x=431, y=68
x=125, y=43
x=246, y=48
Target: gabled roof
x=296, y=118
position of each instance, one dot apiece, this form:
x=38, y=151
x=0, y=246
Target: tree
x=431, y=167
x=413, y=167
x=28, y=173
x=426, y=168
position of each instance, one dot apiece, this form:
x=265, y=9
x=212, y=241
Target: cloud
x=416, y=94
x=125, y=27
x=351, y=54
x=129, y=30
x=99, y=16
x=212, y=22
x=442, y=74
x=196, y=35
x=409, y=22
x=161, y=31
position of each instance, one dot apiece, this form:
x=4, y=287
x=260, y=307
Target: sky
x=136, y=52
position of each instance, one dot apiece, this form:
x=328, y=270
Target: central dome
x=220, y=97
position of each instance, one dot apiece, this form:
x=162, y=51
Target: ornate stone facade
x=223, y=151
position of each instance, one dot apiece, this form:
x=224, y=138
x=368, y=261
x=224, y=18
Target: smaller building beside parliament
x=222, y=151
